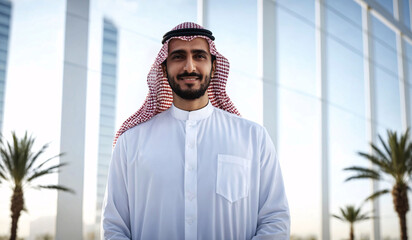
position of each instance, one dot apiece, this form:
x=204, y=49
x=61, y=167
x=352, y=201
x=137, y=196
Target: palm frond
x=2, y=172
x=34, y=158
x=351, y=214
x=46, y=161
x=52, y=169
x=363, y=171
x=387, y=150
x=336, y=216
x=363, y=176
x=58, y=187
x=377, y=194
x=378, y=162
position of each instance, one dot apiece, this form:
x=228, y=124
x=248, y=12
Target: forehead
x=195, y=44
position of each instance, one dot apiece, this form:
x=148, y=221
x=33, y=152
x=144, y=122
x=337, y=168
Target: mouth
x=190, y=79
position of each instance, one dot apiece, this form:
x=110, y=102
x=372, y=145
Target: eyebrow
x=194, y=51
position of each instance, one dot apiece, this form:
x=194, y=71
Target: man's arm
x=273, y=216
x=115, y=210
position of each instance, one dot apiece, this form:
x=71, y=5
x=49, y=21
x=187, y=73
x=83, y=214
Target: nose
x=189, y=65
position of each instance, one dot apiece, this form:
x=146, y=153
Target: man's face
x=189, y=67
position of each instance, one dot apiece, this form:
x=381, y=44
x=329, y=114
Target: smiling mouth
x=189, y=79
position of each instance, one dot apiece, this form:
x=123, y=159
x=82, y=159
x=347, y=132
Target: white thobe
x=205, y=174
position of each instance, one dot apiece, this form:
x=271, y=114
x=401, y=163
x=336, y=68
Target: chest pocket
x=233, y=177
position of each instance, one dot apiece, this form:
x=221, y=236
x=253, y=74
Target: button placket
x=190, y=180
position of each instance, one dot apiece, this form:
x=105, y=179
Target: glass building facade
x=107, y=109
x=5, y=21
x=325, y=77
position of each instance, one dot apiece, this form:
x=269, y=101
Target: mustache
x=192, y=74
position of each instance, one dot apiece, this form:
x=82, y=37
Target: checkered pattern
x=160, y=95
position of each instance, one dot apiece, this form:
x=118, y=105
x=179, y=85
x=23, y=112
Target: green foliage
x=351, y=214
x=20, y=166
x=393, y=161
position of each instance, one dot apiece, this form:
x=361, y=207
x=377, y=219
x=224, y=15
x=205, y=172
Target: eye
x=201, y=56
x=177, y=56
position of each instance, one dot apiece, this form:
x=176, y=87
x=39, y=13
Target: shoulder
x=147, y=125
x=238, y=121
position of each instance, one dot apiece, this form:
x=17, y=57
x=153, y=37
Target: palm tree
x=394, y=161
x=19, y=166
x=351, y=214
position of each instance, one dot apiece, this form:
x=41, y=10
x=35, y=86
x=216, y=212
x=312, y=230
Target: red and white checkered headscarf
x=160, y=95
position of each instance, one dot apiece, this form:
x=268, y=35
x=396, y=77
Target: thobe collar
x=199, y=114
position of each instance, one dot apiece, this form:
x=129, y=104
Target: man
x=186, y=166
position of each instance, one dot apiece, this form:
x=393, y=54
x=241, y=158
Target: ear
x=164, y=69
x=213, y=68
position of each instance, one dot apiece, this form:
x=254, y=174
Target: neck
x=190, y=105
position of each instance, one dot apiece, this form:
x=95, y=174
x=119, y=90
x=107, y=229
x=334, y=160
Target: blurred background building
x=5, y=19
x=325, y=77
x=107, y=110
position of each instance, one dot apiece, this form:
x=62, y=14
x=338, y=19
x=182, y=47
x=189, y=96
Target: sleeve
x=115, y=209
x=273, y=216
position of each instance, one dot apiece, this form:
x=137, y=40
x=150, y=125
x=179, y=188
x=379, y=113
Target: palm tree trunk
x=351, y=237
x=17, y=204
x=400, y=201
x=402, y=222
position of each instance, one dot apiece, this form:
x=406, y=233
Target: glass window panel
x=387, y=5
x=2, y=65
x=383, y=33
x=105, y=130
x=108, y=69
x=408, y=50
x=108, y=89
x=296, y=53
x=106, y=121
x=298, y=145
x=110, y=80
x=237, y=38
x=2, y=75
x=108, y=100
x=3, y=55
x=345, y=77
x=385, y=57
x=347, y=136
x=302, y=9
x=107, y=111
x=349, y=10
x=406, y=14
x=409, y=72
x=109, y=28
x=5, y=7
x=4, y=19
x=388, y=99
x=4, y=41
x=384, y=47
x=4, y=30
x=341, y=22
x=109, y=58
x=112, y=36
x=109, y=46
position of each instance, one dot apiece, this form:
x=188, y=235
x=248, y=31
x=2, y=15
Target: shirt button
x=190, y=145
x=190, y=167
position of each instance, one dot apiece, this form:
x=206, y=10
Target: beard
x=189, y=94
